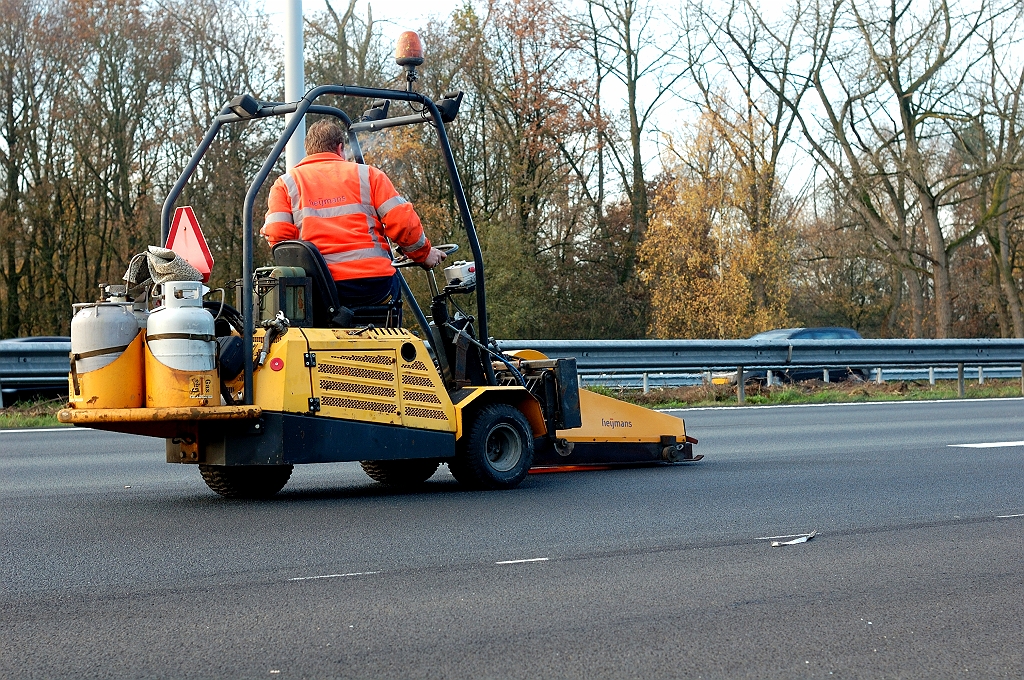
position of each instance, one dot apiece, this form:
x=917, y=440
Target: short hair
x=323, y=136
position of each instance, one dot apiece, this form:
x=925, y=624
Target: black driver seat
x=328, y=311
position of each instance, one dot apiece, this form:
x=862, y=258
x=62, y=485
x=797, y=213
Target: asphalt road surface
x=115, y=564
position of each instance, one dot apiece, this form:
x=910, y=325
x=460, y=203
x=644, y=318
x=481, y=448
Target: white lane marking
x=1009, y=516
x=313, y=578
x=775, y=538
x=533, y=559
x=69, y=428
x=841, y=403
x=986, y=445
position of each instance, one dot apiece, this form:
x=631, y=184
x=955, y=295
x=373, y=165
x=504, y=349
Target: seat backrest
x=325, y=295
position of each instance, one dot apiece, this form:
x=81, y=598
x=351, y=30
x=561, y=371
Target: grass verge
x=39, y=413
x=812, y=392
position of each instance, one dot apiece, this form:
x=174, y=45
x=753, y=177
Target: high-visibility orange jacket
x=345, y=209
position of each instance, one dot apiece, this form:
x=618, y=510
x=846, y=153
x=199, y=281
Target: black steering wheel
x=404, y=260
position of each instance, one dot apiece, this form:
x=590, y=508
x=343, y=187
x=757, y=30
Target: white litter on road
x=773, y=538
x=803, y=538
x=986, y=445
x=313, y=578
x=533, y=559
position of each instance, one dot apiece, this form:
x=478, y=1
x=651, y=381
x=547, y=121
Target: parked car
x=835, y=374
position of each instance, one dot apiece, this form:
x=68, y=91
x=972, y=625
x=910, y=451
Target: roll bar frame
x=300, y=109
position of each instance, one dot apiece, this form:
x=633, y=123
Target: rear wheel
x=401, y=474
x=496, y=452
x=246, y=481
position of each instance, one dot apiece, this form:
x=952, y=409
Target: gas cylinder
x=106, y=357
x=181, y=357
x=100, y=332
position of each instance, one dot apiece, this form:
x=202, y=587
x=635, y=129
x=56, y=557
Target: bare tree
x=888, y=85
x=757, y=127
x=630, y=49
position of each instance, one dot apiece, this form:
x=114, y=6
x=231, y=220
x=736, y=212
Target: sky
x=395, y=16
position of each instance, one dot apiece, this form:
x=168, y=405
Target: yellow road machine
x=294, y=377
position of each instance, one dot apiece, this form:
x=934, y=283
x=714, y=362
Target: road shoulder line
x=838, y=403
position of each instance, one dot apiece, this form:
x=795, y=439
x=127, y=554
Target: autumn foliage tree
x=714, y=266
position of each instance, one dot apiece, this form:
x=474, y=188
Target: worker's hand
x=434, y=258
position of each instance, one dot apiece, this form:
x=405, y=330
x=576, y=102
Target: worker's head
x=325, y=136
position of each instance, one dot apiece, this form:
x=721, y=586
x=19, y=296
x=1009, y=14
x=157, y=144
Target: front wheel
x=246, y=481
x=496, y=452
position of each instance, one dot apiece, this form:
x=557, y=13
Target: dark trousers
x=381, y=290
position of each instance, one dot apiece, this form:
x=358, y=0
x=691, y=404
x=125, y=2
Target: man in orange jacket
x=346, y=210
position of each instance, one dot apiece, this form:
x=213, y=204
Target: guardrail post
x=1022, y=379
x=878, y=376
x=647, y=384
x=824, y=375
x=741, y=395
x=960, y=379
x=771, y=377
x=931, y=376
x=981, y=375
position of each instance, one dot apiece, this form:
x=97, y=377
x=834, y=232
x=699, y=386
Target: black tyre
x=401, y=474
x=246, y=481
x=496, y=452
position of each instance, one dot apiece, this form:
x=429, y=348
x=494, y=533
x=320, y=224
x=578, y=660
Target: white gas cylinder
x=98, y=326
x=180, y=333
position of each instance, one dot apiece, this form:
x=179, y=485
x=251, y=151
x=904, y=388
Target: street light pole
x=294, y=78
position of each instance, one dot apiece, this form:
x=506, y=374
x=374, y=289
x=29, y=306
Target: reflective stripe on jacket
x=345, y=209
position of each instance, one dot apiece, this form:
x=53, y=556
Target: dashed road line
x=1009, y=516
x=313, y=578
x=532, y=559
x=987, y=445
x=47, y=429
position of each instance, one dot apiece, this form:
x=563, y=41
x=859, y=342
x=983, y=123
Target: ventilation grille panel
x=427, y=397
x=374, y=390
x=417, y=380
x=380, y=359
x=363, y=382
x=356, y=372
x=425, y=413
x=358, y=404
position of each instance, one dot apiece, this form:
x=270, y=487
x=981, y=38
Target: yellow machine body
x=610, y=420
x=339, y=394
x=332, y=374
x=382, y=378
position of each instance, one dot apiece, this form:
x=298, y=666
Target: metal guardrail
x=26, y=365
x=667, y=355
x=31, y=366
x=651, y=356
x=662, y=379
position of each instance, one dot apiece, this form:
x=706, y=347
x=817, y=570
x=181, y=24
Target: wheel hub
x=503, y=447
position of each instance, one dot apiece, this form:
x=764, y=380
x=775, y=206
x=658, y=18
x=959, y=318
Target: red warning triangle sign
x=187, y=240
